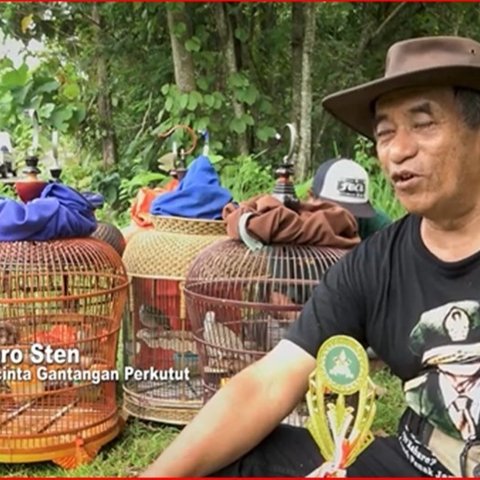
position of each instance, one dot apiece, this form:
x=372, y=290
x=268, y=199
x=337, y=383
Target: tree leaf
x=48, y=86
x=264, y=133
x=46, y=110
x=192, y=102
x=79, y=114
x=202, y=83
x=248, y=119
x=183, y=101
x=251, y=95
x=71, y=90
x=60, y=116
x=179, y=29
x=193, y=44
x=26, y=22
x=209, y=100
x=202, y=123
x=15, y=78
x=241, y=34
x=165, y=88
x=168, y=104
x=20, y=94
x=237, y=125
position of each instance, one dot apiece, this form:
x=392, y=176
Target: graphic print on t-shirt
x=447, y=391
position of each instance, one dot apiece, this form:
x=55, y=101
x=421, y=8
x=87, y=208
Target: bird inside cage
x=225, y=349
x=159, y=341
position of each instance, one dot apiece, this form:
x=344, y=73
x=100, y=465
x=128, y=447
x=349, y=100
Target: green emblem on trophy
x=341, y=404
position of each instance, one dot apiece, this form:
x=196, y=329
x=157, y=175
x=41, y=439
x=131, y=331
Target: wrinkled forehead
x=408, y=98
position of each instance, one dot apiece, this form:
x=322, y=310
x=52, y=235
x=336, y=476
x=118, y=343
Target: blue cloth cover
x=59, y=212
x=96, y=199
x=199, y=194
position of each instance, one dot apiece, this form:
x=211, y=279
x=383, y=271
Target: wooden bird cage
x=61, y=304
x=241, y=303
x=158, y=332
x=112, y=235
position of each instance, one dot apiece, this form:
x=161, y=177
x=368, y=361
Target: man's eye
x=384, y=132
x=425, y=124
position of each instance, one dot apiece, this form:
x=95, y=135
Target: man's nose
x=402, y=146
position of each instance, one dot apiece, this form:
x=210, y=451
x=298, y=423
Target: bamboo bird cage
x=158, y=333
x=61, y=304
x=241, y=301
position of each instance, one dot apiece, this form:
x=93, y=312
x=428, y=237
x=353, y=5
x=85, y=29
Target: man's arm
x=239, y=416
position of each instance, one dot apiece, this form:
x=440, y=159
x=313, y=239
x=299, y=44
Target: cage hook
x=288, y=158
x=181, y=152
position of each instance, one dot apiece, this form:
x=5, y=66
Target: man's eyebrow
x=424, y=107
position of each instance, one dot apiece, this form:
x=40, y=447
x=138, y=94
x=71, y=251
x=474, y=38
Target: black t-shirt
x=378, y=292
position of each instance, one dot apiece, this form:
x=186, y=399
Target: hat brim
x=360, y=210
x=354, y=106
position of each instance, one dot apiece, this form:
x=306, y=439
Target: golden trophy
x=341, y=404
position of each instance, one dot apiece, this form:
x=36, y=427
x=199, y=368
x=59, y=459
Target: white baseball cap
x=344, y=182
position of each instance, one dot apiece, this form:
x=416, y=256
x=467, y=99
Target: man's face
x=427, y=151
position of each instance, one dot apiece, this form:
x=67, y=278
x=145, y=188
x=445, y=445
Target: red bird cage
x=158, y=337
x=61, y=304
x=241, y=303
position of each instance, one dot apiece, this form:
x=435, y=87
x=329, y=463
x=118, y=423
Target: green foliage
x=302, y=189
x=245, y=178
x=54, y=95
x=391, y=405
x=135, y=41
x=7, y=191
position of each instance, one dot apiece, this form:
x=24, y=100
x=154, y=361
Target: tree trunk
x=104, y=103
x=302, y=164
x=226, y=40
x=182, y=59
x=297, y=44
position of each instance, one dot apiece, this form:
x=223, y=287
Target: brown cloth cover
x=317, y=222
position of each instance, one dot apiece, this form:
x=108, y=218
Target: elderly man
x=424, y=116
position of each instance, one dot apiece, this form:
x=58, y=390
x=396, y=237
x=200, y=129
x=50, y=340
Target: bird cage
x=242, y=296
x=158, y=334
x=61, y=304
x=110, y=234
x=241, y=302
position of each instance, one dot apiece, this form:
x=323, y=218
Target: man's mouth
x=404, y=179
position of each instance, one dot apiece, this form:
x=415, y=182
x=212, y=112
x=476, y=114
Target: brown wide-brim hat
x=427, y=61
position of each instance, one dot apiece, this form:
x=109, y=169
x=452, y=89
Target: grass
x=137, y=446
x=390, y=405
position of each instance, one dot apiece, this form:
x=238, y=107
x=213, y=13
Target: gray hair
x=468, y=104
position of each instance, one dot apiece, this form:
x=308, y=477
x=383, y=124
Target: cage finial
x=56, y=171
x=180, y=153
x=284, y=189
x=31, y=170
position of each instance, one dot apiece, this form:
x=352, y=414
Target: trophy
x=341, y=404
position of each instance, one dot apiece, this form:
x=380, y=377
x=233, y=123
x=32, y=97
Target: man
x=424, y=116
x=346, y=182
